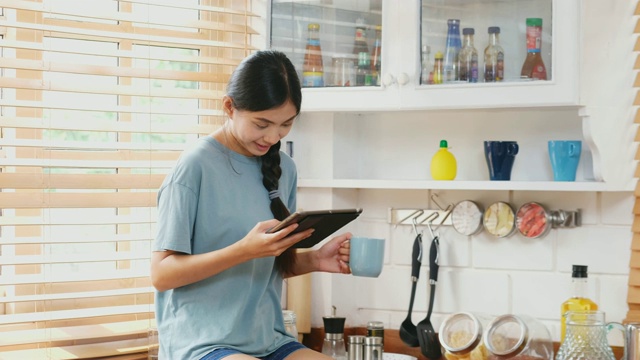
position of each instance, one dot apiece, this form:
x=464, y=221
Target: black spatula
x=408, y=331
x=429, y=343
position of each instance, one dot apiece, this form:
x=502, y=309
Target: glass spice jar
x=518, y=337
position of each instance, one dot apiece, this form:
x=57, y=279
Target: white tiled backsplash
x=482, y=273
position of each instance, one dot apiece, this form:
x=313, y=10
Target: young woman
x=217, y=273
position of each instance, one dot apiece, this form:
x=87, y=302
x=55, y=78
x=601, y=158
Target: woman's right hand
x=258, y=243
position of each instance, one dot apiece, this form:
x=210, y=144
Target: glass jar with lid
x=290, y=323
x=461, y=336
x=518, y=337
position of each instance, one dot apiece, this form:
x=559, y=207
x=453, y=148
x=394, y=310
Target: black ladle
x=408, y=331
x=429, y=343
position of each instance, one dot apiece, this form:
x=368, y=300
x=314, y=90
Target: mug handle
x=619, y=326
x=572, y=150
x=512, y=149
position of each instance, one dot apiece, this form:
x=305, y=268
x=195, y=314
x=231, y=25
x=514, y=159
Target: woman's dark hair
x=264, y=80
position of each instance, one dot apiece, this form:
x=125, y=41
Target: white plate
x=394, y=356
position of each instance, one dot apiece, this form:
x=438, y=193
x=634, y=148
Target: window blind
x=97, y=100
x=633, y=292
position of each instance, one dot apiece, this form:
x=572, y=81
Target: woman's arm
x=171, y=269
x=332, y=257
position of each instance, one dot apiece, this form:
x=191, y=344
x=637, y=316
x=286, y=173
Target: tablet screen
x=325, y=223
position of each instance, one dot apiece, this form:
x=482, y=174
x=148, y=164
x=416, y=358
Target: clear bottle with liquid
x=312, y=69
x=360, y=40
x=494, y=57
x=426, y=73
x=452, y=50
x=468, y=57
x=376, y=56
x=533, y=67
x=363, y=72
x=578, y=299
x=438, y=71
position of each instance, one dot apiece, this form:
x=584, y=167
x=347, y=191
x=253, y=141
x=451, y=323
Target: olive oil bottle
x=578, y=299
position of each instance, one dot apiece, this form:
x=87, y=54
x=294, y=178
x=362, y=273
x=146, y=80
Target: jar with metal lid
x=376, y=328
x=460, y=335
x=290, y=323
x=518, y=337
x=373, y=348
x=356, y=347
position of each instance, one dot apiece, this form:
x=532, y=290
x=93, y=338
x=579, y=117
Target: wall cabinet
x=383, y=136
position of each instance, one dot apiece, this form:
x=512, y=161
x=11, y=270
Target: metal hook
x=418, y=212
x=414, y=219
x=429, y=220
x=433, y=198
x=447, y=212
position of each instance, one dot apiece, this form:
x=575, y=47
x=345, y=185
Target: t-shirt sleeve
x=177, y=205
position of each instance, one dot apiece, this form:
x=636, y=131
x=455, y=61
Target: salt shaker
x=356, y=347
x=373, y=348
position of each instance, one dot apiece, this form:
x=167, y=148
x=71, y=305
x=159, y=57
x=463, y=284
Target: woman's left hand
x=333, y=256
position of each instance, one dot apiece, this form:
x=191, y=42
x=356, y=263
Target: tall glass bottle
x=452, y=50
x=578, y=299
x=494, y=57
x=360, y=41
x=468, y=57
x=363, y=73
x=312, y=70
x=533, y=67
x=426, y=72
x=376, y=60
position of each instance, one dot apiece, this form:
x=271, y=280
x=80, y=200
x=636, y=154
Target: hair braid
x=271, y=172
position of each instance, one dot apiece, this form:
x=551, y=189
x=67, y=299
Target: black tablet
x=325, y=223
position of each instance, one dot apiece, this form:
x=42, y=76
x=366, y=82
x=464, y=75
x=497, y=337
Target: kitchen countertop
x=392, y=342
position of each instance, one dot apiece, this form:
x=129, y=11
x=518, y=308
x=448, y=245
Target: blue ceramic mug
x=500, y=156
x=564, y=156
x=366, y=256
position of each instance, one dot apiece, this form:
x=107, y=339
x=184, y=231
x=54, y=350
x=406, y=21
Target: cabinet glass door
x=332, y=43
x=512, y=41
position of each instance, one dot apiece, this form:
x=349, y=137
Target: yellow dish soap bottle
x=443, y=163
x=578, y=299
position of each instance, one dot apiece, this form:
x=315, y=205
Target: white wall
x=482, y=273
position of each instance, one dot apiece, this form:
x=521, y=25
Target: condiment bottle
x=461, y=335
x=373, y=349
x=468, y=57
x=452, y=50
x=376, y=328
x=438, y=68
x=426, y=73
x=312, y=70
x=533, y=67
x=333, y=344
x=356, y=347
x=578, y=299
x=494, y=57
x=363, y=74
x=443, y=163
x=360, y=41
x=376, y=57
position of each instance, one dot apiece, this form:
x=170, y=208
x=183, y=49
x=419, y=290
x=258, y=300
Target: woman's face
x=253, y=133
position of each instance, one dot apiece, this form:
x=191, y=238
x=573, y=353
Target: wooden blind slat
x=88, y=351
x=110, y=109
x=113, y=71
x=100, y=220
x=83, y=145
x=70, y=239
x=88, y=181
x=71, y=258
x=86, y=164
x=118, y=17
x=56, y=278
x=76, y=295
x=121, y=54
x=74, y=314
x=77, y=332
x=106, y=126
x=138, y=38
x=123, y=90
x=175, y=5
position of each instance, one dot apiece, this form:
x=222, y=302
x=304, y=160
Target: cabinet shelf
x=465, y=185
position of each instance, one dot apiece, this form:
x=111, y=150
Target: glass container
x=518, y=337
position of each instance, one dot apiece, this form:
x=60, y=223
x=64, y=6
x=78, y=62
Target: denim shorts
x=280, y=354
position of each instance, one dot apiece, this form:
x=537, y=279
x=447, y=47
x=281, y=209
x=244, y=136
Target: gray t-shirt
x=211, y=199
